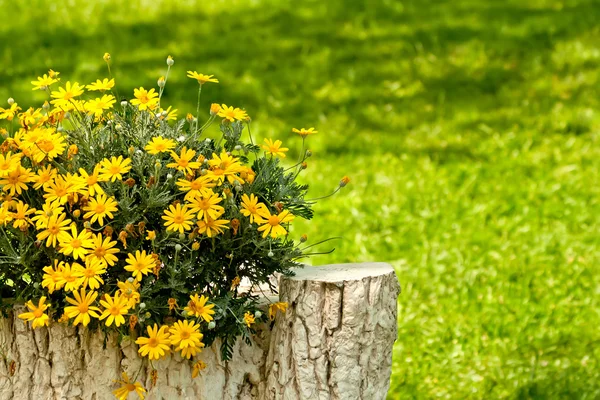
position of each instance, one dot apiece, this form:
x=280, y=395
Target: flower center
x=130, y=387
x=153, y=342
x=273, y=220
x=38, y=313
x=114, y=169
x=178, y=219
x=100, y=252
x=114, y=310
x=89, y=273
x=83, y=308
x=54, y=229
x=100, y=208
x=184, y=334
x=75, y=243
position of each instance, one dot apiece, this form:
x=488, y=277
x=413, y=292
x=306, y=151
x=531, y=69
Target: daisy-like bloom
x=54, y=228
x=101, y=85
x=82, y=309
x=145, y=99
x=197, y=307
x=276, y=307
x=43, y=82
x=100, y=207
x=249, y=318
x=140, y=264
x=151, y=235
x=92, y=180
x=170, y=114
x=225, y=166
x=198, y=187
x=114, y=168
x=183, y=161
x=186, y=334
x=89, y=276
x=127, y=387
x=212, y=227
x=207, y=207
x=156, y=345
x=114, y=309
x=10, y=112
x=97, y=106
x=305, y=132
x=104, y=250
x=20, y=216
x=201, y=78
x=68, y=277
x=59, y=190
x=9, y=162
x=198, y=366
x=63, y=96
x=44, y=144
x=232, y=114
x=274, y=148
x=44, y=176
x=252, y=208
x=75, y=244
x=52, y=278
x=159, y=144
x=178, y=218
x=42, y=216
x=214, y=109
x=36, y=313
x=17, y=180
x=129, y=290
x=5, y=214
x=272, y=224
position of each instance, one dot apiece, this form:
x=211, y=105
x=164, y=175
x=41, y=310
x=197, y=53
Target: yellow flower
x=101, y=85
x=44, y=176
x=122, y=393
x=201, y=78
x=10, y=112
x=114, y=309
x=344, y=181
x=100, y=207
x=274, y=148
x=171, y=114
x=5, y=214
x=197, y=307
x=129, y=290
x=156, y=345
x=59, y=190
x=186, y=334
x=36, y=313
x=198, y=187
x=9, y=163
x=114, y=168
x=82, y=308
x=232, y=114
x=214, y=109
x=272, y=224
x=97, y=106
x=252, y=208
x=55, y=226
x=198, y=366
x=43, y=82
x=249, y=318
x=52, y=278
x=139, y=264
x=90, y=275
x=275, y=307
x=211, y=226
x=93, y=187
x=178, y=218
x=207, y=207
x=21, y=215
x=16, y=181
x=159, y=144
x=225, y=165
x=145, y=99
x=75, y=244
x=305, y=132
x=42, y=216
x=103, y=250
x=43, y=144
x=172, y=304
x=64, y=96
x=151, y=235
x=68, y=277
x=183, y=161
x=106, y=57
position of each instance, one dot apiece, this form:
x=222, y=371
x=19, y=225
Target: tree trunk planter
x=334, y=342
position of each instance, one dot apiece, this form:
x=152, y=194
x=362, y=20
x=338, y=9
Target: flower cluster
x=124, y=217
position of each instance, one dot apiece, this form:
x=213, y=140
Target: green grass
x=470, y=130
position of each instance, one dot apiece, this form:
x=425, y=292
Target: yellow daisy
x=52, y=278
x=16, y=181
x=100, y=207
x=139, y=264
x=249, y=318
x=159, y=144
x=178, y=218
x=130, y=291
x=183, y=161
x=82, y=309
x=114, y=309
x=68, y=277
x=211, y=226
x=305, y=132
x=75, y=244
x=186, y=334
x=201, y=78
x=252, y=208
x=101, y=85
x=198, y=187
x=44, y=176
x=272, y=224
x=42, y=216
x=156, y=345
x=63, y=96
x=274, y=148
x=43, y=82
x=197, y=307
x=127, y=387
x=89, y=276
x=20, y=216
x=274, y=308
x=57, y=224
x=144, y=99
x=232, y=114
x=207, y=207
x=114, y=168
x=93, y=187
x=36, y=313
x=103, y=250
x=97, y=106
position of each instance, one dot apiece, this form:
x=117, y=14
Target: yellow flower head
x=156, y=345
x=274, y=148
x=272, y=224
x=186, y=334
x=103, y=249
x=145, y=99
x=127, y=387
x=252, y=208
x=232, y=114
x=183, y=161
x=139, y=264
x=56, y=225
x=197, y=307
x=75, y=244
x=201, y=78
x=52, y=279
x=249, y=318
x=178, y=218
x=82, y=309
x=114, y=309
x=101, y=85
x=90, y=275
x=211, y=226
x=129, y=290
x=100, y=207
x=159, y=145
x=36, y=313
x=207, y=207
x=276, y=307
x=43, y=82
x=97, y=106
x=305, y=132
x=64, y=95
x=114, y=168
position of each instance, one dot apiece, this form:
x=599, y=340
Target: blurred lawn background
x=470, y=130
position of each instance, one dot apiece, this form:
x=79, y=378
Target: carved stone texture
x=335, y=342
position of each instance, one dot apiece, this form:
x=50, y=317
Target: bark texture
x=334, y=342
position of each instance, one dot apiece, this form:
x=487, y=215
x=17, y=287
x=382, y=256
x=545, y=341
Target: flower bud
x=147, y=315
x=60, y=129
x=308, y=153
x=207, y=140
x=158, y=115
x=170, y=61
x=77, y=213
x=169, y=176
x=258, y=314
x=178, y=246
x=344, y=181
x=181, y=139
x=304, y=165
x=106, y=57
x=87, y=225
x=11, y=101
x=161, y=82
x=212, y=325
x=195, y=246
x=303, y=238
x=45, y=106
x=214, y=108
x=130, y=279
x=142, y=306
x=270, y=254
x=237, y=147
x=124, y=103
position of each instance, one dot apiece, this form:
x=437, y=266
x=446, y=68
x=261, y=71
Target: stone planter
x=334, y=342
